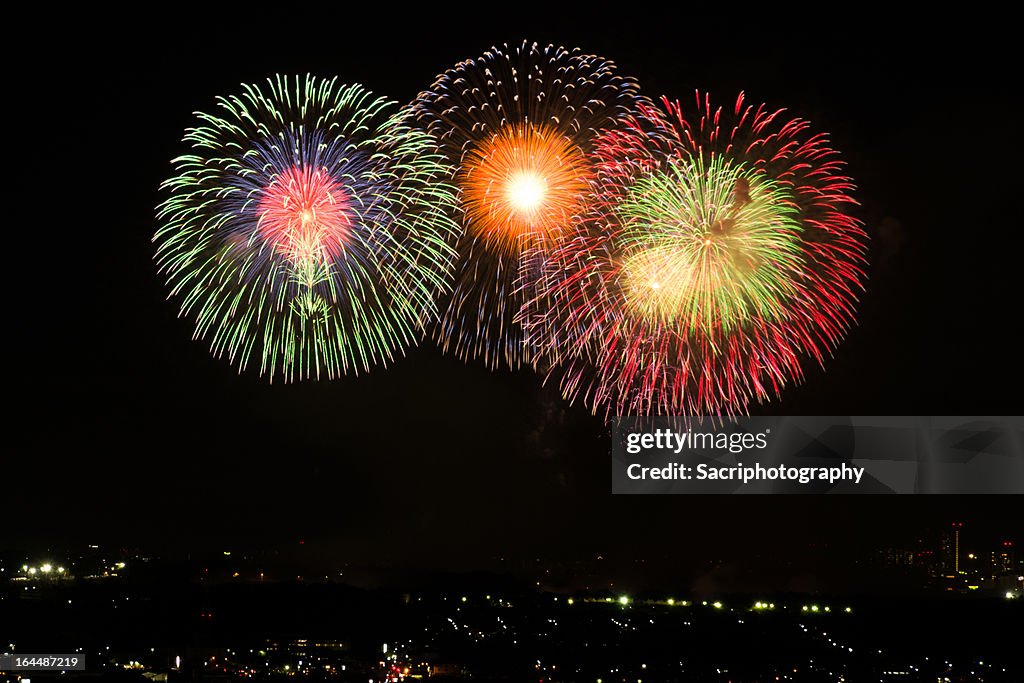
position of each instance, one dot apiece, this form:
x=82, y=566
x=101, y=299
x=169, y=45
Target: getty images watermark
x=818, y=455
x=734, y=443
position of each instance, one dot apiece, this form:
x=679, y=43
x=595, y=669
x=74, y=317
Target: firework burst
x=309, y=227
x=717, y=257
x=519, y=123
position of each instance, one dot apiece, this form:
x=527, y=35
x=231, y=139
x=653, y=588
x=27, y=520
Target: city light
x=623, y=600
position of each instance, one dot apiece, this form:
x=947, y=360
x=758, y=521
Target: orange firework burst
x=523, y=183
x=519, y=122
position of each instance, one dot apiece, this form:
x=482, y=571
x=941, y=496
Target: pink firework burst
x=304, y=214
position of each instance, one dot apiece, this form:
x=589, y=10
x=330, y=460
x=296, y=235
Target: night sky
x=125, y=431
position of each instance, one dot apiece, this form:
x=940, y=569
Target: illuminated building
x=1003, y=559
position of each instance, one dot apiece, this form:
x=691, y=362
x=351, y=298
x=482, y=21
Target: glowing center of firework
x=304, y=217
x=522, y=183
x=526, y=192
x=708, y=246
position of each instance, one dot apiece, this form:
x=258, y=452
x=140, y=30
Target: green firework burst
x=708, y=245
x=310, y=227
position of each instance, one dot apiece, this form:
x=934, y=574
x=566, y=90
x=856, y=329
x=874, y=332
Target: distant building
x=1004, y=562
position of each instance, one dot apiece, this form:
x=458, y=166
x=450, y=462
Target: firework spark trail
x=519, y=123
x=310, y=226
x=718, y=255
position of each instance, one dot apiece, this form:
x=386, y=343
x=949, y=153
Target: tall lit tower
x=951, y=549
x=956, y=546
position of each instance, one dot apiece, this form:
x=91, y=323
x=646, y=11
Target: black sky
x=125, y=430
